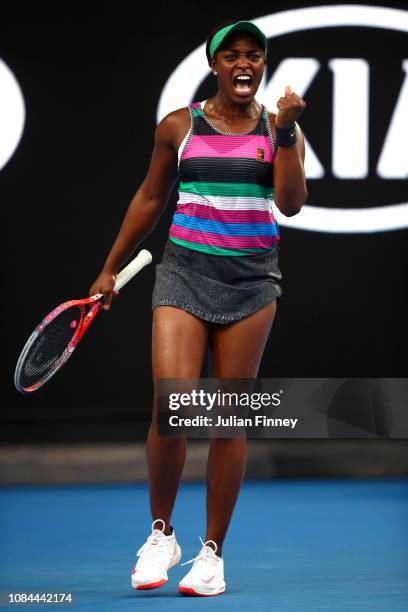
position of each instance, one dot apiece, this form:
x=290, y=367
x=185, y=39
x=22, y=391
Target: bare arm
x=289, y=179
x=145, y=208
x=288, y=166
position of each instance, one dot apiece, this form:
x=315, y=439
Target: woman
x=218, y=282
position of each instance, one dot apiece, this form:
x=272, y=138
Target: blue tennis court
x=293, y=546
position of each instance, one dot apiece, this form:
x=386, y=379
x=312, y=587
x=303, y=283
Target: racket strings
x=46, y=352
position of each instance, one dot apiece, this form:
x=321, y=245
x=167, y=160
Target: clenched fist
x=290, y=107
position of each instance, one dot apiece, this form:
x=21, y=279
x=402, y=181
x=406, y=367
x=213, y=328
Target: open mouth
x=242, y=84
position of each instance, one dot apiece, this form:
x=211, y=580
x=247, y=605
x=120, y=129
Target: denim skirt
x=216, y=288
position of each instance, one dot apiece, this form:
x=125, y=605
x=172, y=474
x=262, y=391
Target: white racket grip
x=139, y=262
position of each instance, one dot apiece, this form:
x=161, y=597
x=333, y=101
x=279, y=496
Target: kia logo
x=12, y=114
x=351, y=79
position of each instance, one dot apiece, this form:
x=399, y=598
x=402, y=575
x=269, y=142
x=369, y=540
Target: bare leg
x=236, y=351
x=178, y=348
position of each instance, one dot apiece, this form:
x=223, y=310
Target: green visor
x=240, y=26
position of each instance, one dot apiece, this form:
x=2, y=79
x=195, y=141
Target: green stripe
x=215, y=250
x=243, y=190
x=195, y=112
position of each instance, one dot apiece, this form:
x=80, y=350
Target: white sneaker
x=158, y=554
x=206, y=577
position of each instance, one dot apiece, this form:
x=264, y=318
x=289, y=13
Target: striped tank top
x=225, y=189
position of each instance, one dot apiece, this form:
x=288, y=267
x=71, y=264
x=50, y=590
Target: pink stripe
x=233, y=242
x=228, y=146
x=226, y=216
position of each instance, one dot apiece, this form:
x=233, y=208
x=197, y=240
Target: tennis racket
x=54, y=340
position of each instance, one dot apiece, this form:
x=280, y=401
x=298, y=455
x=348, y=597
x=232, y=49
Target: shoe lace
x=205, y=553
x=153, y=547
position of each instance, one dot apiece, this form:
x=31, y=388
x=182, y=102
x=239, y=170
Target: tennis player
x=219, y=280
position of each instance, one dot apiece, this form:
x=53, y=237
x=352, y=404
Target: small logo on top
x=260, y=154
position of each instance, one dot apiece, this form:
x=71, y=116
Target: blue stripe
x=225, y=229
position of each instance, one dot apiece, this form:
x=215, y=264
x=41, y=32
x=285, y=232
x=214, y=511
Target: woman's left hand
x=290, y=107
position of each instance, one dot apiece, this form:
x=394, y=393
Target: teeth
x=243, y=78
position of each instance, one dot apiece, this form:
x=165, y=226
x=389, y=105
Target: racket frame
x=143, y=258
x=82, y=326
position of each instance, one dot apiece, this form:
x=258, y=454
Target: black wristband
x=286, y=137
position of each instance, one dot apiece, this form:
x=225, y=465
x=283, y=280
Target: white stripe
x=348, y=220
x=226, y=203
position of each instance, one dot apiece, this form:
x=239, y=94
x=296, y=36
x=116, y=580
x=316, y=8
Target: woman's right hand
x=104, y=284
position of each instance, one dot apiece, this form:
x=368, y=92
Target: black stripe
x=202, y=128
x=226, y=170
